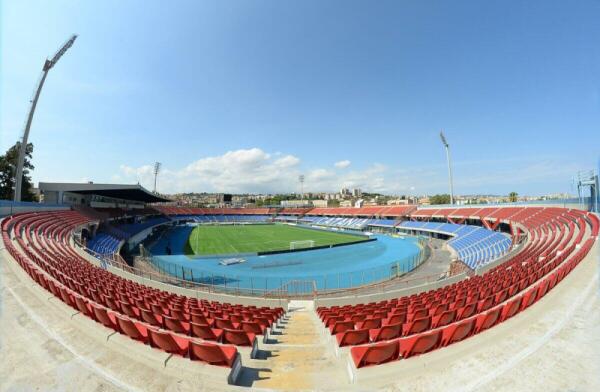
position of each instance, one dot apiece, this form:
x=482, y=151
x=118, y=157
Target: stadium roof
x=117, y=191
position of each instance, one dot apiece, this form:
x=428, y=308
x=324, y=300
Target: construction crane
x=48, y=65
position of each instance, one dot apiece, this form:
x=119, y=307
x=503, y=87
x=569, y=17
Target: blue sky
x=243, y=96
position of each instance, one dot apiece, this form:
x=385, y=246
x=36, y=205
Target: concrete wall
x=9, y=208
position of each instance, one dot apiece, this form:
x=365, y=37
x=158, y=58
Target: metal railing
x=148, y=268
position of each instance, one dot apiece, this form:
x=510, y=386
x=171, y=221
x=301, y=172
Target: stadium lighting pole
x=157, y=166
x=48, y=64
x=447, y=146
x=301, y=179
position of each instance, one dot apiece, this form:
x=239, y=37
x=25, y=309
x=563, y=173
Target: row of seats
x=476, y=246
x=346, y=223
x=472, y=305
x=174, y=323
x=104, y=243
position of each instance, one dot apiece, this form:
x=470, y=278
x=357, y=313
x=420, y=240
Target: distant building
x=346, y=203
x=356, y=192
x=319, y=203
x=396, y=202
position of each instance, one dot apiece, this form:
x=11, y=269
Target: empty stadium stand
x=40, y=243
x=423, y=322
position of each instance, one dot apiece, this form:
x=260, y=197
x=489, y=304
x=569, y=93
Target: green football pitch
x=227, y=239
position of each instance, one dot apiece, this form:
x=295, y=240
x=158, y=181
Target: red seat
x=416, y=326
x=132, y=329
x=420, y=344
x=511, y=308
x=352, y=337
x=369, y=324
x=130, y=310
x=176, y=325
x=222, y=323
x=213, y=353
x=528, y=298
x=466, y=311
x=445, y=318
x=201, y=319
x=398, y=318
x=152, y=318
x=417, y=314
x=84, y=307
x=239, y=338
x=204, y=331
x=458, y=331
x=341, y=326
x=254, y=327
x=375, y=354
x=168, y=342
x=487, y=320
x=386, y=332
x=108, y=319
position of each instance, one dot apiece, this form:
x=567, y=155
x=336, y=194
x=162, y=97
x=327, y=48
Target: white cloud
x=256, y=171
x=342, y=164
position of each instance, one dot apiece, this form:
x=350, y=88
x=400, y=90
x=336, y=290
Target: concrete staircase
x=297, y=356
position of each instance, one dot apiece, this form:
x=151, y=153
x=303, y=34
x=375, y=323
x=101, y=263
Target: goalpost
x=301, y=244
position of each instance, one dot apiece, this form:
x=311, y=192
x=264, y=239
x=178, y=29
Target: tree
x=8, y=165
x=440, y=199
x=513, y=196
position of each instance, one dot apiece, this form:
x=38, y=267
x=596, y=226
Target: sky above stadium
x=243, y=96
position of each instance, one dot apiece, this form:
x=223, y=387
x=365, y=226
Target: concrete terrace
x=552, y=346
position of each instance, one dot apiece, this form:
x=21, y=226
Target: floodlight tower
x=157, y=166
x=447, y=146
x=48, y=64
x=301, y=179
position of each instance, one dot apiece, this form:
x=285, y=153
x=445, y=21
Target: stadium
x=350, y=293
x=112, y=286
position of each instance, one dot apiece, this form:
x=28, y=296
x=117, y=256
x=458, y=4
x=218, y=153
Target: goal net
x=301, y=244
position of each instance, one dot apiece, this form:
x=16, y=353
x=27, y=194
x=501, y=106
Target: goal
x=301, y=244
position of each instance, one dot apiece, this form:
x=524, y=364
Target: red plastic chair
x=399, y=318
x=369, y=324
x=253, y=326
x=213, y=353
x=84, y=307
x=352, y=337
x=487, y=320
x=176, y=325
x=416, y=326
x=152, y=318
x=420, y=344
x=168, y=342
x=444, y=318
x=375, y=354
x=132, y=329
x=466, y=311
x=341, y=326
x=108, y=319
x=458, y=331
x=511, y=308
x=387, y=332
x=239, y=338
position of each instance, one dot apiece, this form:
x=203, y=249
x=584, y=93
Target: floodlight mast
x=447, y=146
x=157, y=166
x=48, y=65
